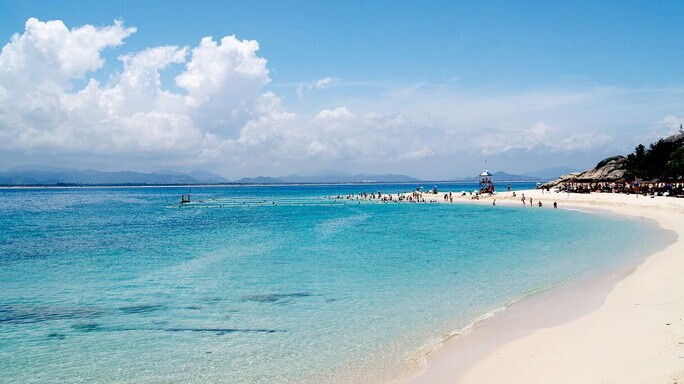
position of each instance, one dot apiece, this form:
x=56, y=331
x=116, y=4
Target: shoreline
x=629, y=316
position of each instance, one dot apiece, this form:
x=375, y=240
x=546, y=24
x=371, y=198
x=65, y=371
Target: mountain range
x=335, y=177
x=43, y=175
x=40, y=175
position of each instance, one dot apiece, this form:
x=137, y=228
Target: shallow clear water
x=123, y=285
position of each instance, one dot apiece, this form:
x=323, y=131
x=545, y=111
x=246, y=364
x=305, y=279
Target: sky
x=430, y=89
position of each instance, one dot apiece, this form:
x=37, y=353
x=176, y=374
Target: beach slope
x=627, y=327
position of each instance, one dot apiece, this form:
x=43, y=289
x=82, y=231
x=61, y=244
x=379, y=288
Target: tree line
x=662, y=160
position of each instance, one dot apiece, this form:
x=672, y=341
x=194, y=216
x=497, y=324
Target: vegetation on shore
x=662, y=160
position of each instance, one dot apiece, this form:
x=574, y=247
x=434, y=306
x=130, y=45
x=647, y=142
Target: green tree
x=635, y=162
x=675, y=164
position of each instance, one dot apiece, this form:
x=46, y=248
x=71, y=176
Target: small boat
x=185, y=199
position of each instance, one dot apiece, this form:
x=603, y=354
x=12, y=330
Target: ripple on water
x=275, y=297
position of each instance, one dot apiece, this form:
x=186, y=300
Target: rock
x=610, y=169
x=614, y=168
x=675, y=139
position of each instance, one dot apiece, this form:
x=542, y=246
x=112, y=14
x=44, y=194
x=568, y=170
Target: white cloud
x=303, y=90
x=334, y=115
x=214, y=65
x=36, y=70
x=138, y=88
x=540, y=136
x=324, y=83
x=221, y=113
x=332, y=135
x=50, y=54
x=673, y=124
x=224, y=113
x=224, y=83
x=580, y=142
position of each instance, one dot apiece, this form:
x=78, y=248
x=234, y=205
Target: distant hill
x=259, y=180
x=328, y=178
x=43, y=175
x=199, y=174
x=503, y=176
x=65, y=176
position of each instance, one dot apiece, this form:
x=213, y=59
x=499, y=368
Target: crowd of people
x=416, y=196
x=638, y=188
x=413, y=197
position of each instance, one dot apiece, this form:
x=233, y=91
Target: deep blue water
x=124, y=285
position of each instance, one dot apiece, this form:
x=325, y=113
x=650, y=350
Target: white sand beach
x=625, y=327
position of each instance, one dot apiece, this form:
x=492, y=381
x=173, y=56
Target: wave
x=433, y=344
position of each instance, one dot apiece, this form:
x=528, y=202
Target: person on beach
x=494, y=202
x=540, y=204
x=555, y=205
x=523, y=198
x=530, y=201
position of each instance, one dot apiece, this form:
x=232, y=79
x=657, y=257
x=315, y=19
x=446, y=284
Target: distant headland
x=656, y=169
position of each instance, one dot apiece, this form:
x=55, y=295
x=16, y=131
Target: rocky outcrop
x=677, y=139
x=610, y=169
x=661, y=161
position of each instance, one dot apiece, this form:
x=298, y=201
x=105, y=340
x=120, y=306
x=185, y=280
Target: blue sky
x=492, y=44
x=385, y=86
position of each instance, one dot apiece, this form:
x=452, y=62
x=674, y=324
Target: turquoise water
x=123, y=285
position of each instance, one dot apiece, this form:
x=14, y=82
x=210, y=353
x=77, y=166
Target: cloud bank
x=221, y=89
x=220, y=113
x=220, y=110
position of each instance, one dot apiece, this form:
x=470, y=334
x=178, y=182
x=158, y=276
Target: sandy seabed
x=624, y=327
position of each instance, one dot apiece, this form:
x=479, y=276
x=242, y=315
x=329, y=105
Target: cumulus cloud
x=220, y=111
x=223, y=83
x=36, y=70
x=50, y=54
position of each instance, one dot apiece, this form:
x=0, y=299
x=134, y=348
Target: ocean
x=270, y=284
